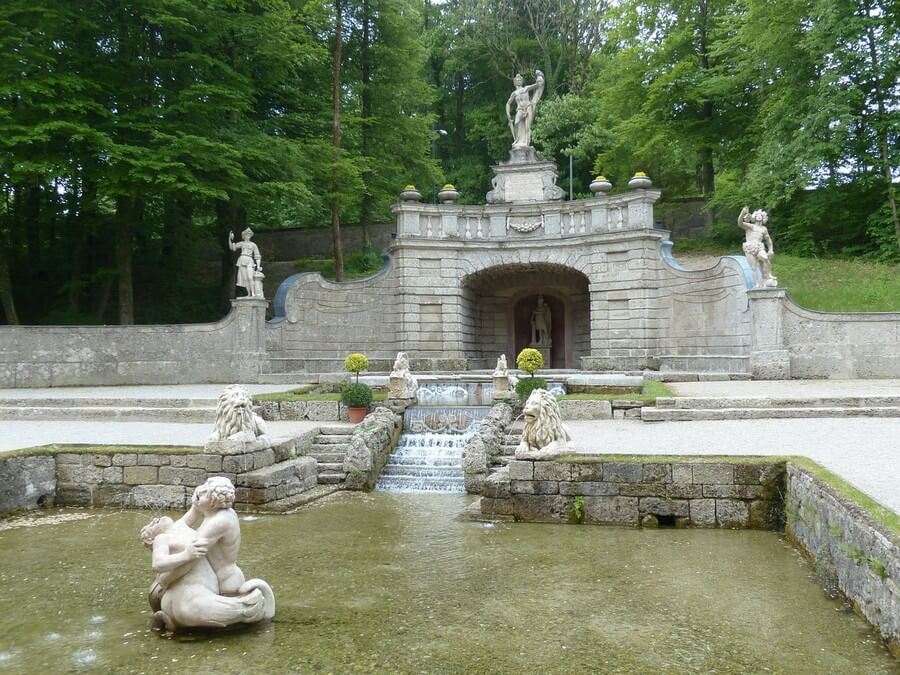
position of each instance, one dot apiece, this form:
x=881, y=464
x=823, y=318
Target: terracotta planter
x=357, y=415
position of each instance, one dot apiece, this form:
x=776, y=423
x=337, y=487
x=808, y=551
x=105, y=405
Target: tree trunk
x=125, y=212
x=336, y=142
x=365, y=216
x=230, y=217
x=6, y=294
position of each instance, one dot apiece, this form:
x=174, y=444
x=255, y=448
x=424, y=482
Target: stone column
x=769, y=360
x=249, y=346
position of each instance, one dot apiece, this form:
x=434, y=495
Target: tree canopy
x=134, y=136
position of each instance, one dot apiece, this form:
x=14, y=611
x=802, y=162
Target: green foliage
x=355, y=363
x=530, y=360
x=525, y=386
x=835, y=285
x=356, y=395
x=358, y=264
x=578, y=509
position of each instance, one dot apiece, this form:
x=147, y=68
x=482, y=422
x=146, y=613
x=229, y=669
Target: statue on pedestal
x=540, y=324
x=401, y=383
x=758, y=246
x=544, y=435
x=199, y=583
x=248, y=263
x=526, y=100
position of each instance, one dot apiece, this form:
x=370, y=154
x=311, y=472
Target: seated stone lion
x=235, y=419
x=544, y=435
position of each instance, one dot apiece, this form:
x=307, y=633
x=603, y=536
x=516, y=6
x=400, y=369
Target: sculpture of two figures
x=758, y=246
x=540, y=323
x=249, y=264
x=504, y=381
x=199, y=583
x=401, y=383
x=526, y=99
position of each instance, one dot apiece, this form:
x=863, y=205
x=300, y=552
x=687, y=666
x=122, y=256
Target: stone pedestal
x=524, y=178
x=501, y=384
x=544, y=349
x=769, y=360
x=249, y=348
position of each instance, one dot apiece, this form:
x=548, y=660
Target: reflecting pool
x=396, y=583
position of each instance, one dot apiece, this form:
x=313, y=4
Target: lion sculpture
x=544, y=435
x=235, y=419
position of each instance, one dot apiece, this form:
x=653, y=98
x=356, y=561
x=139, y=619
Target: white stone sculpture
x=199, y=583
x=401, y=383
x=501, y=370
x=526, y=100
x=758, y=246
x=248, y=262
x=540, y=324
x=501, y=378
x=544, y=436
x=235, y=419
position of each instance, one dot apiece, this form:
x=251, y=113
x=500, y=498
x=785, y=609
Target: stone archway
x=498, y=302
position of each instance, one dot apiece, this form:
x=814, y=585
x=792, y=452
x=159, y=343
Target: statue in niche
x=758, y=246
x=199, y=583
x=526, y=100
x=540, y=323
x=248, y=263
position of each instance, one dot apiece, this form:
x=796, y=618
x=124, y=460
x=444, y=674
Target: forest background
x=134, y=136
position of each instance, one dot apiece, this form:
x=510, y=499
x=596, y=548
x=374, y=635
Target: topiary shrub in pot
x=356, y=396
x=529, y=360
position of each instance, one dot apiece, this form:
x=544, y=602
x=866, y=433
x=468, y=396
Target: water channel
x=396, y=583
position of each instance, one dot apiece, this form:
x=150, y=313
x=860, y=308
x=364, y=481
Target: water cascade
x=429, y=453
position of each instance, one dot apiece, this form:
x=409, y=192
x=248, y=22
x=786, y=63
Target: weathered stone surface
x=263, y=458
x=235, y=447
x=734, y=491
x=284, y=448
x=533, y=487
x=124, y=459
x=664, y=507
x=322, y=411
x=170, y=475
x=543, y=508
x=140, y=475
x=762, y=516
x=210, y=463
x=158, y=496
x=682, y=473
x=110, y=494
x=521, y=470
x=732, y=513
x=747, y=474
x=497, y=485
x=369, y=447
x=643, y=489
x=710, y=473
x=703, y=512
x=71, y=458
x=27, y=482
x=592, y=488
x=496, y=507
x=622, y=472
x=587, y=471
x=611, y=510
x=101, y=460
x=556, y=471
x=237, y=463
x=571, y=409
x=683, y=490
x=653, y=473
x=152, y=459
x=73, y=494
x=291, y=410
x=182, y=460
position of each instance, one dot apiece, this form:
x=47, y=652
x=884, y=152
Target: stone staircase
x=670, y=409
x=109, y=410
x=329, y=449
x=510, y=440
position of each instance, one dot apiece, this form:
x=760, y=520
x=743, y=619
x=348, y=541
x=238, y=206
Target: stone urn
x=640, y=181
x=410, y=194
x=448, y=194
x=600, y=186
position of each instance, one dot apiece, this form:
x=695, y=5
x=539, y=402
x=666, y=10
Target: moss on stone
x=88, y=449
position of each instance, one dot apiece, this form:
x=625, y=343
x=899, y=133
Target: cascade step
x=653, y=414
x=405, y=470
x=420, y=484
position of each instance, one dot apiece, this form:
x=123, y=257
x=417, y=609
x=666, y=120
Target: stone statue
x=501, y=370
x=248, y=262
x=199, y=583
x=401, y=383
x=526, y=100
x=758, y=246
x=543, y=436
x=540, y=323
x=235, y=419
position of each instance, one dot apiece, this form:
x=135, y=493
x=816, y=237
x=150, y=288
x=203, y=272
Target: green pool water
x=396, y=583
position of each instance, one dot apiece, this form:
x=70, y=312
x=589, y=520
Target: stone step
x=111, y=413
x=326, y=457
x=329, y=447
x=652, y=414
x=709, y=402
x=707, y=363
x=335, y=430
x=331, y=467
x=276, y=482
x=80, y=402
x=331, y=439
x=331, y=478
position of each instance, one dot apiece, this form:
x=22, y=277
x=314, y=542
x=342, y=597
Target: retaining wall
x=851, y=552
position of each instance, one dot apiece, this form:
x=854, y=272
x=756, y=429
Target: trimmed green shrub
x=526, y=385
x=356, y=395
x=355, y=363
x=530, y=360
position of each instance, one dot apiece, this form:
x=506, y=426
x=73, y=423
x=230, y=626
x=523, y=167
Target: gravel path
x=864, y=452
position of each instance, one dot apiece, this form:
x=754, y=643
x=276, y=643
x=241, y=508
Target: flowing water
x=374, y=583
x=428, y=455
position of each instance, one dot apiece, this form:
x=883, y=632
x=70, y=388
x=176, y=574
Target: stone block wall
x=27, y=482
x=634, y=493
x=851, y=552
x=371, y=444
x=314, y=411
